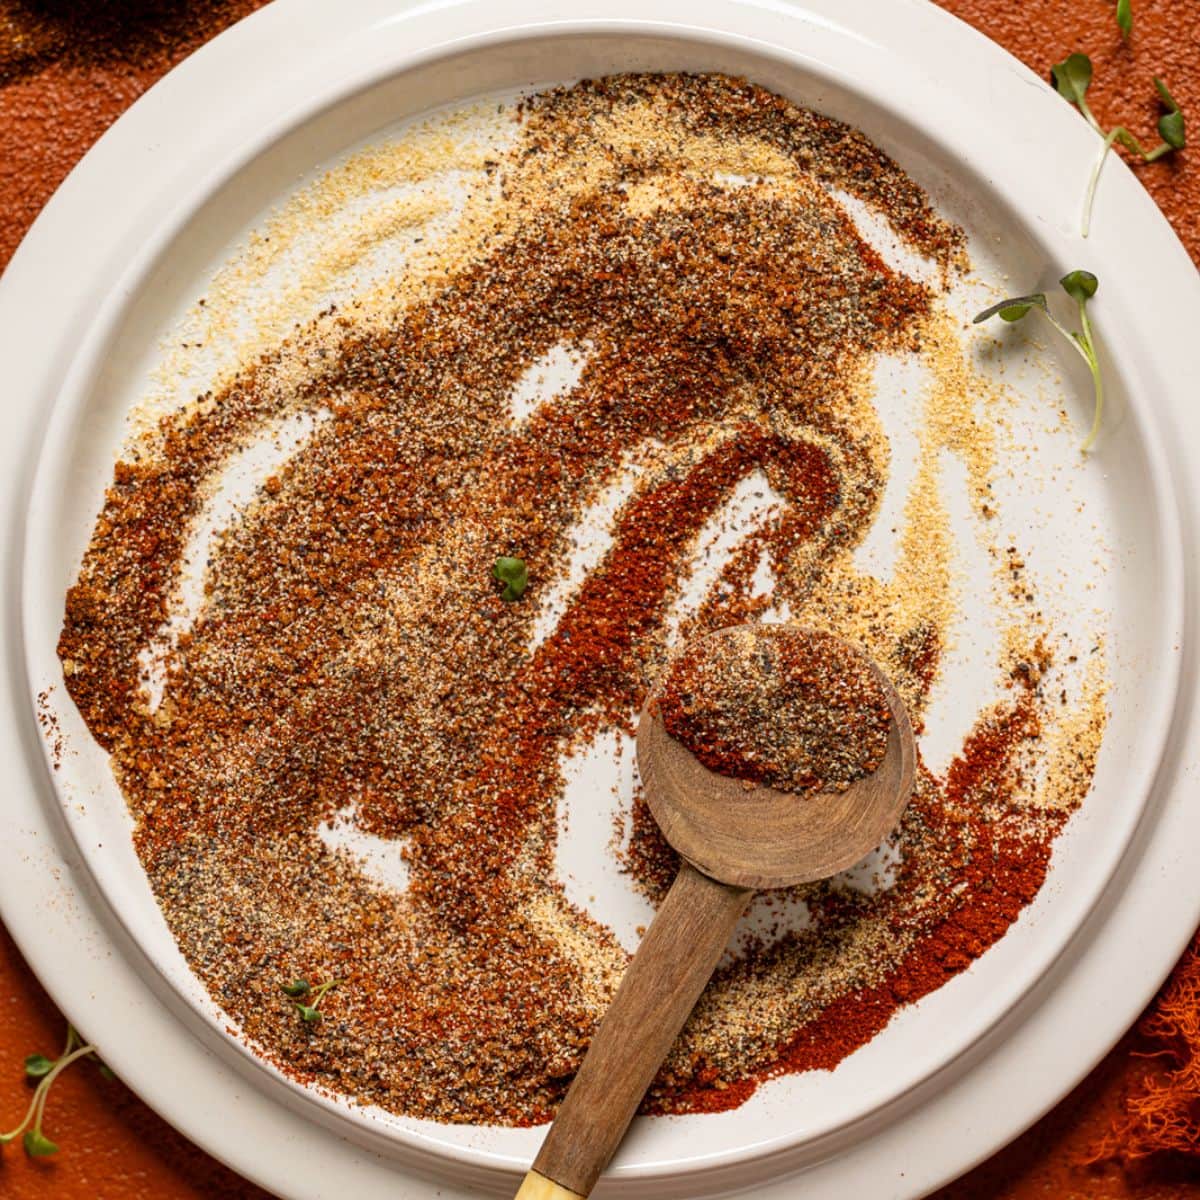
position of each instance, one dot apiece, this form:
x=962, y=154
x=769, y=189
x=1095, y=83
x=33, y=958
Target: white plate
x=1053, y=509
x=330, y=80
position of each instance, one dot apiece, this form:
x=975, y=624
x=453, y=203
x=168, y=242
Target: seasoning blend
x=792, y=708
x=687, y=238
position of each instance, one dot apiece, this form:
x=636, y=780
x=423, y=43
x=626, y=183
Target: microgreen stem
x=1131, y=143
x=321, y=989
x=20, y=1129
x=37, y=1106
x=1082, y=104
x=1090, y=198
x=1071, y=338
x=1085, y=346
x=1087, y=342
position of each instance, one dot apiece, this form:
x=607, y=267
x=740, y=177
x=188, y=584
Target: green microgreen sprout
x=46, y=1071
x=1125, y=17
x=37, y=1065
x=1071, y=78
x=513, y=573
x=1081, y=287
x=300, y=987
x=1170, y=121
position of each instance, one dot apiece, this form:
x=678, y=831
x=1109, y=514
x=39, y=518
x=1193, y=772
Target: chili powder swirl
x=352, y=664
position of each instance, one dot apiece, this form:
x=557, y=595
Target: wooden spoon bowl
x=762, y=838
x=733, y=841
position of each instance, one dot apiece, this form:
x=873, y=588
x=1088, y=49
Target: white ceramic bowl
x=331, y=81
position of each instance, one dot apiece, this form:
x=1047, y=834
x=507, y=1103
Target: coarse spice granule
x=351, y=660
x=796, y=709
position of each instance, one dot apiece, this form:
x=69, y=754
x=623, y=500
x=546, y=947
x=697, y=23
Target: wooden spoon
x=733, y=842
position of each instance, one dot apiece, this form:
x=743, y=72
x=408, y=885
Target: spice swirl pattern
x=689, y=241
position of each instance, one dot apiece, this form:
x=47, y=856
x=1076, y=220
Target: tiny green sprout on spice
x=1072, y=77
x=301, y=988
x=1081, y=287
x=513, y=573
x=46, y=1071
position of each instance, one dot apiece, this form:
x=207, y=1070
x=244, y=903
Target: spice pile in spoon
x=795, y=709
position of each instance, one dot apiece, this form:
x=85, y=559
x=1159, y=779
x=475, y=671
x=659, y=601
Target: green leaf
x=1125, y=17
x=1014, y=312
x=1170, y=124
x=37, y=1065
x=307, y=1013
x=1013, y=309
x=1080, y=285
x=105, y=1070
x=1072, y=77
x=1171, y=130
x=513, y=574
x=38, y=1145
x=1164, y=95
x=298, y=987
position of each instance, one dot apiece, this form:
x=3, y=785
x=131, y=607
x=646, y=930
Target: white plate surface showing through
x=104, y=269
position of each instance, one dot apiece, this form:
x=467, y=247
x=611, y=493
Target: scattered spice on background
x=792, y=708
x=354, y=660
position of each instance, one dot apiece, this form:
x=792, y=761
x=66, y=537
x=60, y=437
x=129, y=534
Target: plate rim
x=368, y=1122
x=300, y=5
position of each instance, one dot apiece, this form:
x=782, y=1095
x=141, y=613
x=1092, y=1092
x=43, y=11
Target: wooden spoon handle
x=674, y=962
x=538, y=1187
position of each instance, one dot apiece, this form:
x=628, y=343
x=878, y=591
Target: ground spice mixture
x=792, y=708
x=686, y=241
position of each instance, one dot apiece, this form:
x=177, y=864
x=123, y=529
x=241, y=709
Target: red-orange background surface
x=67, y=69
